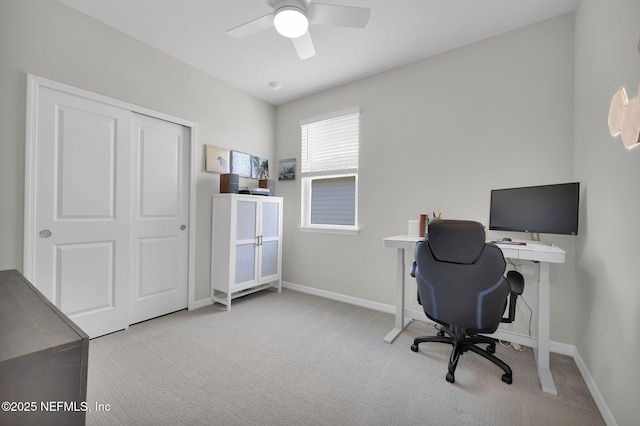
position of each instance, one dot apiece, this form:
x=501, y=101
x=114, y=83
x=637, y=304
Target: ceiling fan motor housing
x=291, y=4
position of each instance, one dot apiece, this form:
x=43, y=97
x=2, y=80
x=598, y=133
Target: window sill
x=330, y=229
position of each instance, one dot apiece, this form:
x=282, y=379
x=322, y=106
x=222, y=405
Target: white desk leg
x=401, y=323
x=544, y=314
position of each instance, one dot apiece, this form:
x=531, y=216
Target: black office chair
x=461, y=287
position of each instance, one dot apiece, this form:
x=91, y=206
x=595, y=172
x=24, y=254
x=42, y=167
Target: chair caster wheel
x=491, y=349
x=450, y=378
x=414, y=347
x=507, y=379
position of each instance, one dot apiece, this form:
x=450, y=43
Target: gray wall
x=51, y=40
x=607, y=282
x=439, y=134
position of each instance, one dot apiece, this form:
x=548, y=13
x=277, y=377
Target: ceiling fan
x=291, y=18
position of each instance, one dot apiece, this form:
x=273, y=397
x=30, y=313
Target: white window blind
x=330, y=144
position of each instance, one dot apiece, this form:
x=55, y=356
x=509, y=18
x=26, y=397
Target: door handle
x=45, y=233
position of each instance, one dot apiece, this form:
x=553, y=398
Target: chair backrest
x=460, y=277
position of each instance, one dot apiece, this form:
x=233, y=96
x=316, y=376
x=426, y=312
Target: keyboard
x=510, y=243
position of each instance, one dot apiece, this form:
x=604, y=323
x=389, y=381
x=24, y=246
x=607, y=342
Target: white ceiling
x=399, y=32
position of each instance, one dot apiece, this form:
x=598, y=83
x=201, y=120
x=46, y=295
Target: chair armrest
x=412, y=270
x=516, y=281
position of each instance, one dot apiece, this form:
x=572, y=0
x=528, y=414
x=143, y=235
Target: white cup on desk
x=414, y=228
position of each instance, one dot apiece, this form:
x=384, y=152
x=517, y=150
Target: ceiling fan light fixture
x=291, y=21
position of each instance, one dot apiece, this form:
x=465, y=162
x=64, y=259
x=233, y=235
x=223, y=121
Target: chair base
x=461, y=343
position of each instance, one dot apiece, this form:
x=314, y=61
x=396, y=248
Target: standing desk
x=540, y=253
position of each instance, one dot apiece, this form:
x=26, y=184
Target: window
x=329, y=172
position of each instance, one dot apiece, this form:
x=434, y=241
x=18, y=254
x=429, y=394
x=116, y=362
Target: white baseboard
x=389, y=309
x=607, y=415
x=556, y=347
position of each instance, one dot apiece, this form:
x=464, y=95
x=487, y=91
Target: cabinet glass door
x=245, y=263
x=246, y=220
x=270, y=222
x=271, y=232
x=269, y=260
x=245, y=249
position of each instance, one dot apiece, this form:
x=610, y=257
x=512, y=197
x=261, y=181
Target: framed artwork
x=262, y=169
x=249, y=166
x=241, y=164
x=216, y=159
x=287, y=169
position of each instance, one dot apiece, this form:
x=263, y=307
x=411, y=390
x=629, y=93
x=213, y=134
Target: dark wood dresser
x=43, y=359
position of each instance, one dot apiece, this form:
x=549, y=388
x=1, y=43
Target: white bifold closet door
x=110, y=244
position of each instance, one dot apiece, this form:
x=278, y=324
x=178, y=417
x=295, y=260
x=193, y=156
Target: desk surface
x=531, y=251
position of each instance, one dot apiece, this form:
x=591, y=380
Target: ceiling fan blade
x=252, y=27
x=339, y=16
x=304, y=46
x=273, y=3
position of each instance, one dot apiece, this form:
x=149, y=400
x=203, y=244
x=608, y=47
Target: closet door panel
x=160, y=215
x=81, y=236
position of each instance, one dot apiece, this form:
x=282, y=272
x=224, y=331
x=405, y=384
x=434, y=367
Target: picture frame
x=216, y=159
x=249, y=166
x=287, y=169
x=241, y=164
x=262, y=168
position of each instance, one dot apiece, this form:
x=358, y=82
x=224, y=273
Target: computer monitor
x=549, y=209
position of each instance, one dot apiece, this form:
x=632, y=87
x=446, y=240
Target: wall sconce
x=624, y=116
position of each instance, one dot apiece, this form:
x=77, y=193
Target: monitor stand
x=535, y=237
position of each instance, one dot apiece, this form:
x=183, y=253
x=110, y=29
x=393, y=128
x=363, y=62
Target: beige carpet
x=296, y=359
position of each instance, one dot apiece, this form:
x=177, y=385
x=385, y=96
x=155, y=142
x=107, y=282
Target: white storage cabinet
x=246, y=245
